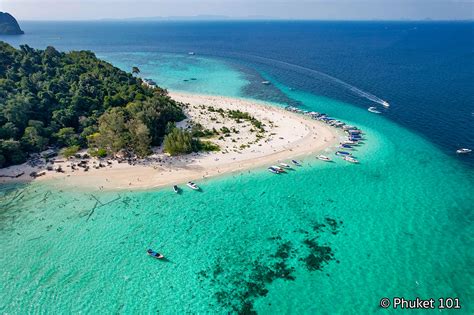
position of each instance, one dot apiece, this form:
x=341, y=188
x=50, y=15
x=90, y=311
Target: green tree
x=169, y=127
x=135, y=70
x=70, y=151
x=67, y=137
x=12, y=152
x=140, y=139
x=113, y=133
x=179, y=141
x=8, y=131
x=33, y=139
x=17, y=110
x=208, y=146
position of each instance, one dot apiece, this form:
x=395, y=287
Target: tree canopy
x=52, y=98
x=178, y=141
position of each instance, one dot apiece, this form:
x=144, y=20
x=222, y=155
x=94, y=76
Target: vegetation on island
x=240, y=124
x=238, y=116
x=179, y=141
x=75, y=100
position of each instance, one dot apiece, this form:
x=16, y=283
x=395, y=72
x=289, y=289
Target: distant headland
x=9, y=25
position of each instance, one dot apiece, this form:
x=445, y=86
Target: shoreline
x=287, y=136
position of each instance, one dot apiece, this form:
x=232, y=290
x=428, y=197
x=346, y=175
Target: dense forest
x=74, y=100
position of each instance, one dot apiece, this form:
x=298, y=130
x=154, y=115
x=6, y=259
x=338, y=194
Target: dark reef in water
x=318, y=256
x=9, y=25
x=239, y=286
x=268, y=93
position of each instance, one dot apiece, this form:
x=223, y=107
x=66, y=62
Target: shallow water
x=326, y=238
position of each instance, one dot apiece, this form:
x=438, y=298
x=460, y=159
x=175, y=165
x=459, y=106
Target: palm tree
x=135, y=70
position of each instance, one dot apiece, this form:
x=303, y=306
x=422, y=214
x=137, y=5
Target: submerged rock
x=9, y=25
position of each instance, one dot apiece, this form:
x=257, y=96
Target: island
x=81, y=121
x=9, y=25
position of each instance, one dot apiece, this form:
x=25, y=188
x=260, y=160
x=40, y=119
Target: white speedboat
x=351, y=159
x=374, y=110
x=385, y=104
x=285, y=165
x=266, y=82
x=463, y=151
x=323, y=158
x=192, y=185
x=191, y=53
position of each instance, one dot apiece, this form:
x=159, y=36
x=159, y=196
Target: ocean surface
x=327, y=238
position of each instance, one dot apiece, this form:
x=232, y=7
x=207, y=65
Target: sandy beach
x=287, y=136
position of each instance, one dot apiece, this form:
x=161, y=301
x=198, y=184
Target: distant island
x=9, y=25
x=194, y=18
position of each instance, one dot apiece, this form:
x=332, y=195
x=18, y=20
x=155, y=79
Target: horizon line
x=239, y=19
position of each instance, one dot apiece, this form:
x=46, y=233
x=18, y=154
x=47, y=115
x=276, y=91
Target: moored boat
x=279, y=169
x=356, y=138
x=349, y=142
x=193, y=186
x=266, y=82
x=343, y=153
x=351, y=159
x=323, y=158
x=176, y=189
x=463, y=151
x=154, y=254
x=296, y=162
x=272, y=170
x=285, y=165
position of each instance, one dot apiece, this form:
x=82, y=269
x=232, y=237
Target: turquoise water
x=182, y=72
x=327, y=238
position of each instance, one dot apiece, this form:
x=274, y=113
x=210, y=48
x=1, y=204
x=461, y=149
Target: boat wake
x=313, y=72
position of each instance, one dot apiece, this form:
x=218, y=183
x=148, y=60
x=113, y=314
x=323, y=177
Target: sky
x=241, y=9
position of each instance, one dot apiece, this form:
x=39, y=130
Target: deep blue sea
x=425, y=70
x=325, y=238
